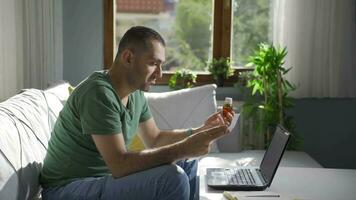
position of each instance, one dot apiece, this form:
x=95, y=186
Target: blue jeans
x=175, y=181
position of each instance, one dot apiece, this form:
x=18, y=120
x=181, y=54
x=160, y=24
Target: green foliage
x=244, y=77
x=267, y=81
x=182, y=79
x=250, y=27
x=192, y=34
x=188, y=31
x=190, y=40
x=220, y=68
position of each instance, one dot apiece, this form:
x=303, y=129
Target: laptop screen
x=274, y=153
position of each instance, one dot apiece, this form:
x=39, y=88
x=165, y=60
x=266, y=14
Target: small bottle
x=227, y=108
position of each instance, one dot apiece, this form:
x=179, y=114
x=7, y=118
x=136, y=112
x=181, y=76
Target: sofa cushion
x=180, y=109
x=26, y=121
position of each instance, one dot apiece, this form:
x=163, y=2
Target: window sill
x=238, y=93
x=206, y=78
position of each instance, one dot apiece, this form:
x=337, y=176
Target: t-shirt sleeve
x=146, y=113
x=99, y=112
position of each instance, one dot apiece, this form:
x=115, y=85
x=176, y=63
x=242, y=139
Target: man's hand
x=217, y=119
x=199, y=143
x=122, y=163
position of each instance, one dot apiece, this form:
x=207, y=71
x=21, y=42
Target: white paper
x=233, y=122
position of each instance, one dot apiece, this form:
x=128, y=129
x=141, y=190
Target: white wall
x=82, y=38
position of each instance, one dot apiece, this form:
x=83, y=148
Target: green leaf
x=255, y=88
x=287, y=70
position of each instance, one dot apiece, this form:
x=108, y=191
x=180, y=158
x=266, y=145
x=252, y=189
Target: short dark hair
x=137, y=37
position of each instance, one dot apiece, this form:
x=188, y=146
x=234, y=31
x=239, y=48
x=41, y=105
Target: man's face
x=147, y=65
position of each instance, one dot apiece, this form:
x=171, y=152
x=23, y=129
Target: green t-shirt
x=93, y=108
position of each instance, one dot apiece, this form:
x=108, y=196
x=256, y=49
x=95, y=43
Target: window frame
x=222, y=28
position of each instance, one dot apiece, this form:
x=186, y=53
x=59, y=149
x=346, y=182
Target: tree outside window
x=251, y=25
x=187, y=27
x=184, y=24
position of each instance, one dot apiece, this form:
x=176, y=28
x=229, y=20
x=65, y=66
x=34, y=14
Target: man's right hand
x=199, y=143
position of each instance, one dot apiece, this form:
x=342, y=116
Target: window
x=250, y=24
x=195, y=30
x=185, y=25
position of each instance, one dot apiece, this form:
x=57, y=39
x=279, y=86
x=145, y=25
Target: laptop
x=251, y=178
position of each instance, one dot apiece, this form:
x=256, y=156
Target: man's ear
x=126, y=57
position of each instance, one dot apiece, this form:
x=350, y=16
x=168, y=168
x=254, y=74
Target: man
x=87, y=155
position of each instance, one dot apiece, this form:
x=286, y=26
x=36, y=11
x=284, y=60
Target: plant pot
x=220, y=81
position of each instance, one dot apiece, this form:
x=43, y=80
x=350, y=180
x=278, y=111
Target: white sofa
x=26, y=121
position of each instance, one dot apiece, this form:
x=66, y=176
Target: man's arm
x=152, y=136
x=122, y=163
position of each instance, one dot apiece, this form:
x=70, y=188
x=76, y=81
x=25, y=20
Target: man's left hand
x=217, y=119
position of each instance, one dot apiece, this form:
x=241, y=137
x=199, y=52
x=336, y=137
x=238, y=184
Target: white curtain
x=43, y=45
x=320, y=36
x=11, y=45
x=31, y=47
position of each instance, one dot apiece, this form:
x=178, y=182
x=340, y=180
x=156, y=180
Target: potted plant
x=267, y=81
x=220, y=69
x=244, y=77
x=183, y=78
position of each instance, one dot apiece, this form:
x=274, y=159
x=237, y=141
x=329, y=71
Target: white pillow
x=184, y=108
x=61, y=91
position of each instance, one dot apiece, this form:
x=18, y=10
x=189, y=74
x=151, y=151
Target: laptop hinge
x=262, y=176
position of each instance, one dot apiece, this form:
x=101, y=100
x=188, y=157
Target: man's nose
x=159, y=71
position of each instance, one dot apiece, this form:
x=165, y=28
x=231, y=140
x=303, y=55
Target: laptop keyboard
x=240, y=177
